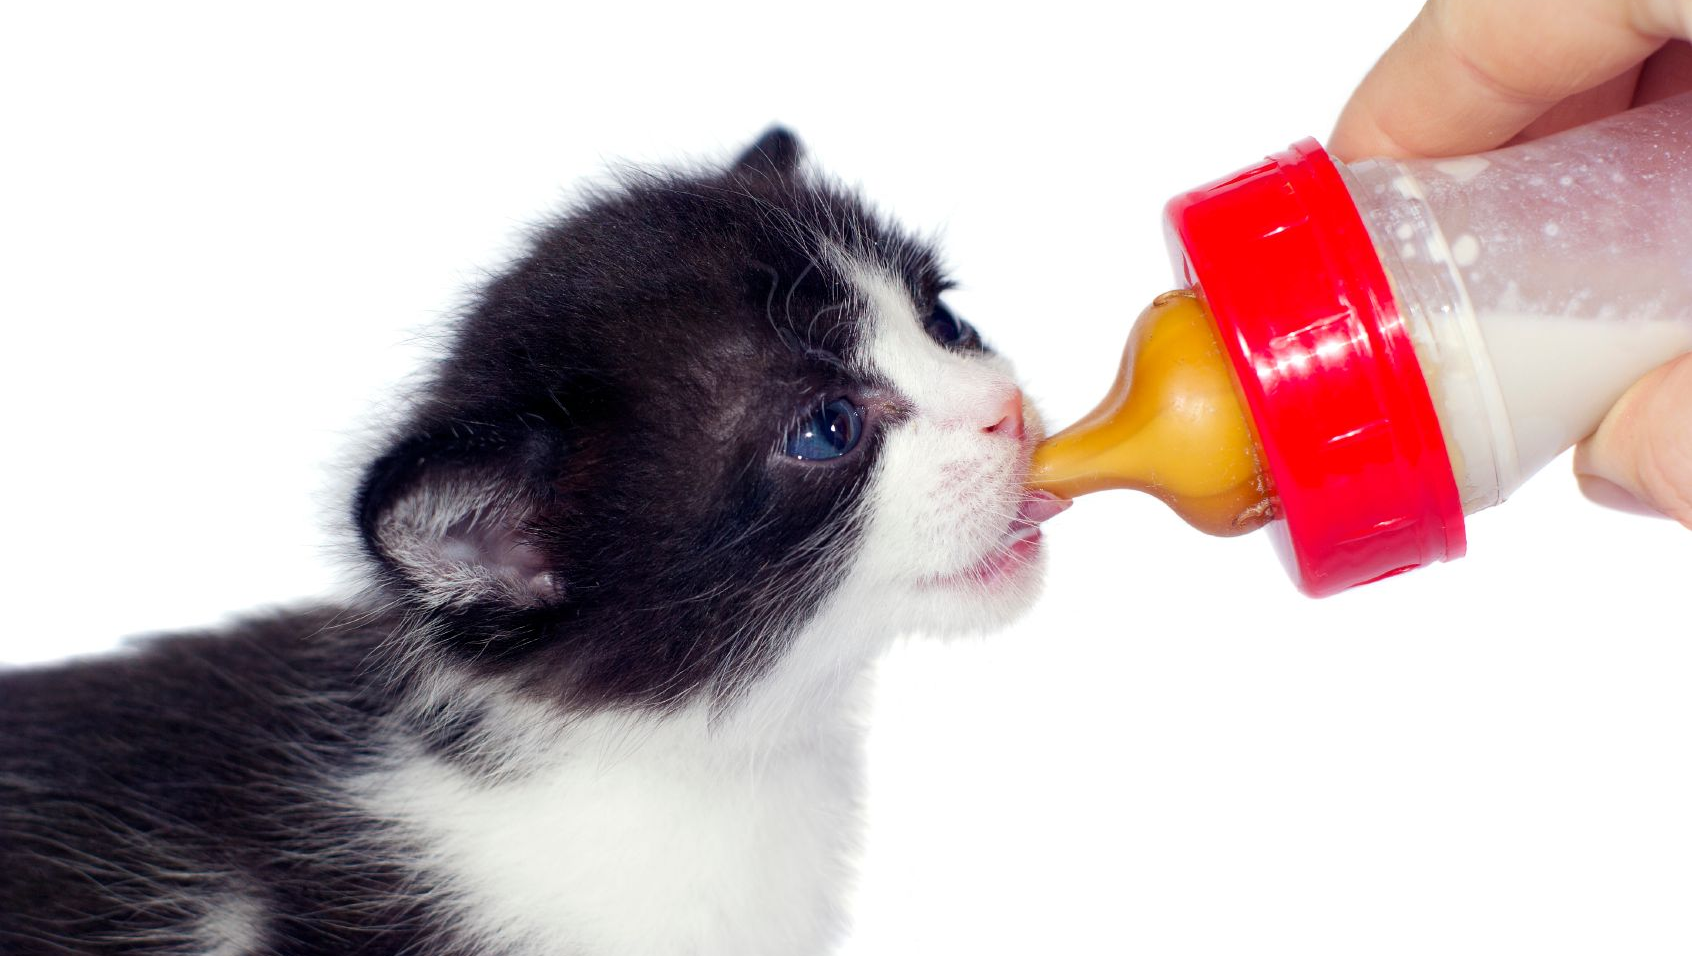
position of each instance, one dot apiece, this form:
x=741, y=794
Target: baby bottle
x=1366, y=353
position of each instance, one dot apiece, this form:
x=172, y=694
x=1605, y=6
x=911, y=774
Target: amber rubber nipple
x=1173, y=426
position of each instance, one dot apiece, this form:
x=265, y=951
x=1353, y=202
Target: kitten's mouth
x=1019, y=544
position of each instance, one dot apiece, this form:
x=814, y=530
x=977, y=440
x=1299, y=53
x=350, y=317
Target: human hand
x=1472, y=75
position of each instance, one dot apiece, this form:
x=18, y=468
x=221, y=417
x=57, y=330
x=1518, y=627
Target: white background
x=225, y=231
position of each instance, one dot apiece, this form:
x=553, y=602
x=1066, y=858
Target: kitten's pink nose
x=1007, y=416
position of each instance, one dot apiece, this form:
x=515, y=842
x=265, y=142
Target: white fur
x=710, y=834
x=946, y=490
x=233, y=926
x=729, y=830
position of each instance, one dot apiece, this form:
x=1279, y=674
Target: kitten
x=685, y=470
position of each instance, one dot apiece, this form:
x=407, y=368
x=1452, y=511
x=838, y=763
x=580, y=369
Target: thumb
x=1644, y=445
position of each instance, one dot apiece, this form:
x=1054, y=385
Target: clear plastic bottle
x=1407, y=341
x=1538, y=282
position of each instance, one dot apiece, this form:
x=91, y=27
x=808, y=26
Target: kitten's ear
x=776, y=153
x=452, y=521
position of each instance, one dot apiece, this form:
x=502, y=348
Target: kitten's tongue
x=1039, y=506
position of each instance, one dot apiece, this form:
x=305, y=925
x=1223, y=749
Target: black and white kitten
x=686, y=469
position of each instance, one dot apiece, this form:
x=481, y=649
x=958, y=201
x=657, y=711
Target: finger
x=1644, y=445
x=1667, y=73
x=1469, y=74
x=1610, y=495
x=1605, y=99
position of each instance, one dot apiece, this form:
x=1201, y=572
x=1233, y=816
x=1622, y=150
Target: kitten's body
x=602, y=696
x=254, y=792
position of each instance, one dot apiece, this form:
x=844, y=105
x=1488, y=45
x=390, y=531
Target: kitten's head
x=705, y=422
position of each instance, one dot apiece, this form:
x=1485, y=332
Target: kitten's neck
x=606, y=825
x=819, y=683
x=812, y=694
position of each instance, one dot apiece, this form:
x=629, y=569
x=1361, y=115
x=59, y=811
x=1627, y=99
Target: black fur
x=137, y=788
x=612, y=410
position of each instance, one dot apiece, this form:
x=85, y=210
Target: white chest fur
x=642, y=836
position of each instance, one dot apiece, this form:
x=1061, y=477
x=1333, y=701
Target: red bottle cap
x=1363, y=483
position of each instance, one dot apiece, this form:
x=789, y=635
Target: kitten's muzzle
x=1007, y=416
x=1037, y=507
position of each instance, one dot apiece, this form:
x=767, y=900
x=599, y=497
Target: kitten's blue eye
x=949, y=330
x=829, y=431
